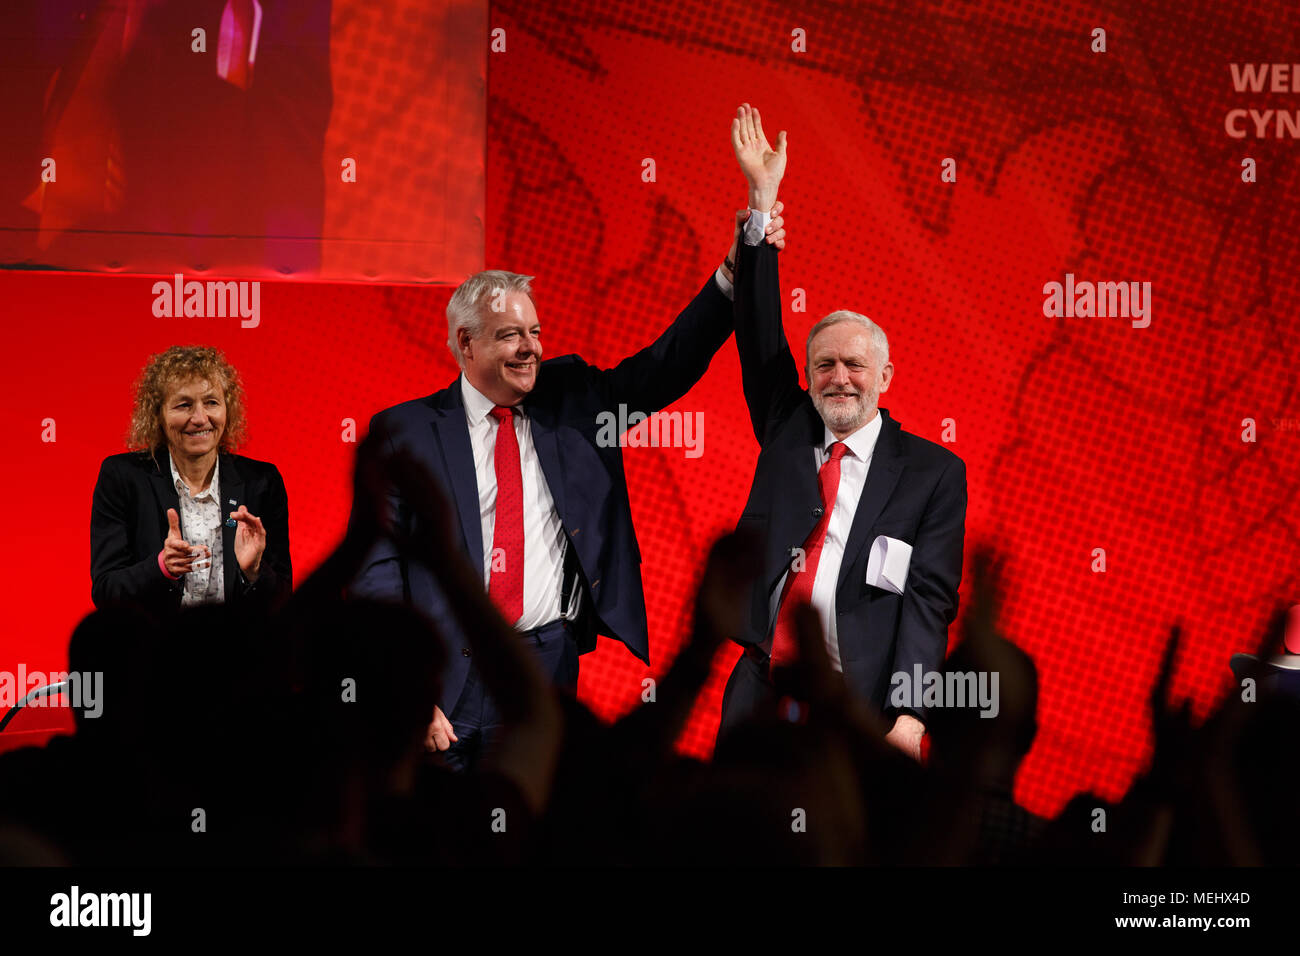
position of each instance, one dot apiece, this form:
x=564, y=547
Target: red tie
x=799, y=584
x=506, y=586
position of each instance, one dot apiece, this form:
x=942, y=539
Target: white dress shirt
x=544, y=540
x=201, y=525
x=860, y=446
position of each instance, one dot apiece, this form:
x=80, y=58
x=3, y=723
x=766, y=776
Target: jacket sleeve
x=275, y=576
x=930, y=596
x=768, y=372
x=381, y=576
x=116, y=575
x=669, y=367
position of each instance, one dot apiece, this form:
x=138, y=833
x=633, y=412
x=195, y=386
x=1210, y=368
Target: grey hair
x=878, y=340
x=473, y=297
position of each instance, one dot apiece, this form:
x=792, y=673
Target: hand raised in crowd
x=733, y=563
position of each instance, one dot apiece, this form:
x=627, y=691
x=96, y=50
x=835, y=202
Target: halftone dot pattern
x=408, y=108
x=322, y=353
x=1078, y=433
x=246, y=179
x=357, y=349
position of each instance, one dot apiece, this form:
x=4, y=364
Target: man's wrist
x=762, y=198
x=755, y=228
x=726, y=283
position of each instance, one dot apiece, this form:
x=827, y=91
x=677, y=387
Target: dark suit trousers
x=475, y=718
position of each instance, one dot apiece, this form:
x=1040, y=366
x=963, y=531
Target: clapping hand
x=178, y=554
x=250, y=542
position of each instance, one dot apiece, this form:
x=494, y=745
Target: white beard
x=844, y=418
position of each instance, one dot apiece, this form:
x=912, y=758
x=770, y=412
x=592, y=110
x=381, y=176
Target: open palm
x=250, y=540
x=762, y=165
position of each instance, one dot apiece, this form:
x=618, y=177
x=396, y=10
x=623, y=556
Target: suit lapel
x=541, y=424
x=231, y=486
x=803, y=481
x=882, y=477
x=163, y=487
x=451, y=431
x=797, y=477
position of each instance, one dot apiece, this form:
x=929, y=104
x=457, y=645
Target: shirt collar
x=861, y=443
x=182, y=488
x=478, y=405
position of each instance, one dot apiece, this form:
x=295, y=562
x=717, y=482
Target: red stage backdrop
x=948, y=162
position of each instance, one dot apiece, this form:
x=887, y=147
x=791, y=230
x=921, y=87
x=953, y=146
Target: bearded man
x=863, y=521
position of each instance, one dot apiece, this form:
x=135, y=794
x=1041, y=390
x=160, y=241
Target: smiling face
x=845, y=377
x=501, y=360
x=194, y=418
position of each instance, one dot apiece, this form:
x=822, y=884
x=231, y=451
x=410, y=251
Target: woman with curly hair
x=180, y=519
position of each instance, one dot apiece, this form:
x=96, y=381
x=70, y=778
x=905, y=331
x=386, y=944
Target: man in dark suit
x=538, y=486
x=227, y=539
x=864, y=521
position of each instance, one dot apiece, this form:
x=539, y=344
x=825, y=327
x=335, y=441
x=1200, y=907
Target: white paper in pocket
x=888, y=563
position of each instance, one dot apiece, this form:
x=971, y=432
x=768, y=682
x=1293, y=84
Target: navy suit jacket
x=128, y=524
x=585, y=477
x=915, y=492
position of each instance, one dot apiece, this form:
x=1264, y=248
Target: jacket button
x=595, y=584
x=464, y=652
x=817, y=512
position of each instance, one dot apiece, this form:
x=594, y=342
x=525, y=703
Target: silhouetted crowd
x=299, y=737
